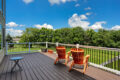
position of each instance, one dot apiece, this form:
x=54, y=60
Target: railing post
x=29, y=47
x=77, y=46
x=6, y=48
x=46, y=44
x=57, y=44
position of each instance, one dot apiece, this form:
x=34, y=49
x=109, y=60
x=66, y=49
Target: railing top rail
x=37, y=42
x=18, y=43
x=101, y=48
x=94, y=47
x=72, y=45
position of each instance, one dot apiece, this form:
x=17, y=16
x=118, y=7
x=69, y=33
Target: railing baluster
x=102, y=56
x=118, y=60
x=114, y=60
x=94, y=55
x=105, y=57
x=86, y=51
x=90, y=55
x=108, y=58
x=111, y=60
x=99, y=56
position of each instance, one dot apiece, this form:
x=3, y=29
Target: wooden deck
x=37, y=66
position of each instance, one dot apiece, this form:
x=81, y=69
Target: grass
x=96, y=56
x=115, y=65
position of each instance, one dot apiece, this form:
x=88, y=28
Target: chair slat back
x=78, y=55
x=61, y=51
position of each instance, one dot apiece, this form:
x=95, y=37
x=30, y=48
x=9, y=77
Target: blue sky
x=54, y=14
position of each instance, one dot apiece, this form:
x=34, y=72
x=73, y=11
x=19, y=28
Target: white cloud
x=83, y=17
x=14, y=32
x=59, y=1
x=81, y=21
x=77, y=20
x=12, y=24
x=77, y=5
x=98, y=25
x=88, y=13
x=48, y=26
x=116, y=27
x=63, y=1
x=88, y=8
x=54, y=1
x=21, y=25
x=28, y=1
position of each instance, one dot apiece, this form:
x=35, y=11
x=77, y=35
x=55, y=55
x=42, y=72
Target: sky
x=55, y=14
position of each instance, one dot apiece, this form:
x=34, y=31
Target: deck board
x=37, y=66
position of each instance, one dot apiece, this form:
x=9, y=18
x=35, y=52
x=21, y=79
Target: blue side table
x=16, y=61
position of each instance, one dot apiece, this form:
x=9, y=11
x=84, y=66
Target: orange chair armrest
x=85, y=58
x=68, y=53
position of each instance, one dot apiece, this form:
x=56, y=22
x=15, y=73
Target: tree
x=9, y=40
x=62, y=35
x=89, y=37
x=103, y=38
x=78, y=35
x=45, y=35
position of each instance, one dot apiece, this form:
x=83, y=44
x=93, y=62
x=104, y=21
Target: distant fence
x=102, y=57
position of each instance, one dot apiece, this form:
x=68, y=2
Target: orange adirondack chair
x=78, y=58
x=61, y=51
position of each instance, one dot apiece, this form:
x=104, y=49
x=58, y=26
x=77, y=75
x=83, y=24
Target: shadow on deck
x=37, y=66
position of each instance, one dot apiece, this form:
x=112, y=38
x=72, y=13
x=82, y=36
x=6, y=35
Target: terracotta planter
x=44, y=49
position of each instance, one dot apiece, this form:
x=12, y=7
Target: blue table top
x=16, y=58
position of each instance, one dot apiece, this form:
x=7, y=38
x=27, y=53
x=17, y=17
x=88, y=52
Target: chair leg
x=68, y=58
x=56, y=60
x=66, y=61
x=85, y=66
x=72, y=64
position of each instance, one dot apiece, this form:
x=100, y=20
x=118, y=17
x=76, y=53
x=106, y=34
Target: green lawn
x=115, y=63
x=96, y=56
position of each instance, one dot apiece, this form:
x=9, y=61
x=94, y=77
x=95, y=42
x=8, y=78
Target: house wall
x=1, y=55
x=2, y=28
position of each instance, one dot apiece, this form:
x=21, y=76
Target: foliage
x=9, y=40
x=76, y=35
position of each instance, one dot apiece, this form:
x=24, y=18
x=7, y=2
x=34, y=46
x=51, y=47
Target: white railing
x=28, y=47
x=102, y=57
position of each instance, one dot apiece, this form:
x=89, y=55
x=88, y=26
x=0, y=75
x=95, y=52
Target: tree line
x=76, y=35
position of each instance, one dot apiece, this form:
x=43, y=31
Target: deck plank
x=8, y=74
x=48, y=70
x=37, y=66
x=5, y=69
x=59, y=70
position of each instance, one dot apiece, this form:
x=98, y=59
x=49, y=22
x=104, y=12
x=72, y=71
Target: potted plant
x=44, y=49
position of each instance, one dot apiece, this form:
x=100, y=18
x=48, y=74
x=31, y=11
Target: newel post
x=46, y=44
x=77, y=46
x=6, y=48
x=57, y=44
x=29, y=47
